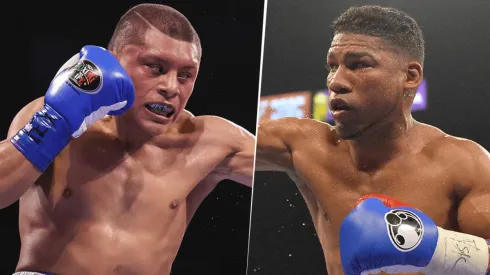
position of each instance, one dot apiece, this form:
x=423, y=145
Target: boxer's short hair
x=132, y=26
x=390, y=24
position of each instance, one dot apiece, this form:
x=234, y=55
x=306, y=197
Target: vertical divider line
x=264, y=18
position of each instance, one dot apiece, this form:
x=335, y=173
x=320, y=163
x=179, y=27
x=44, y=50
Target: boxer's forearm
x=271, y=154
x=16, y=174
x=269, y=159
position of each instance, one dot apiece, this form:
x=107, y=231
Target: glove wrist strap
x=458, y=253
x=43, y=137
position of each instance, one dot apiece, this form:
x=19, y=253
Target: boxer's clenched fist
x=384, y=234
x=89, y=86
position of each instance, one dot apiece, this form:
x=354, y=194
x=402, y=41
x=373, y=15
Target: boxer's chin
x=347, y=132
x=178, y=113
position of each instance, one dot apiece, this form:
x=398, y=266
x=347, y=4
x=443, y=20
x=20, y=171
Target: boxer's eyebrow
x=359, y=55
x=161, y=60
x=330, y=55
x=155, y=59
x=353, y=54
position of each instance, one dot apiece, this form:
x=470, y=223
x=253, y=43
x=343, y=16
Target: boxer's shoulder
x=304, y=124
x=220, y=130
x=468, y=159
x=298, y=128
x=225, y=128
x=466, y=148
x=460, y=156
x=442, y=146
x=215, y=123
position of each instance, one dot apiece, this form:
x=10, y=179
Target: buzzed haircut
x=390, y=24
x=133, y=25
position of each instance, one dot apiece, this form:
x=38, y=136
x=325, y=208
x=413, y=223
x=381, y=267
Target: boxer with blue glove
x=108, y=165
x=91, y=85
x=385, y=234
x=375, y=64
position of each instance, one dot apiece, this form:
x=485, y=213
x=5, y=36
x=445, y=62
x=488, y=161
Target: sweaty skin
x=118, y=199
x=447, y=178
x=128, y=207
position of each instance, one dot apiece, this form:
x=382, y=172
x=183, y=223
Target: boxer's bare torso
x=432, y=171
x=103, y=208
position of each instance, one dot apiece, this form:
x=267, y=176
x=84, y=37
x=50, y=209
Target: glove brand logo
x=86, y=77
x=405, y=229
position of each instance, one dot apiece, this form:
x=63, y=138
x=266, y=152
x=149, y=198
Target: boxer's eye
x=359, y=65
x=184, y=76
x=155, y=68
x=331, y=67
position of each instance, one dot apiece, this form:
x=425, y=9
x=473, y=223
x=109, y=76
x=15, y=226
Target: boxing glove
x=384, y=234
x=91, y=85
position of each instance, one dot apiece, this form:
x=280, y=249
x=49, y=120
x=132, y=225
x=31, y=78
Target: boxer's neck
x=134, y=135
x=384, y=142
x=130, y=134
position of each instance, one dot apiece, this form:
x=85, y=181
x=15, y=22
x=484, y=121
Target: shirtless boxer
x=114, y=194
x=376, y=148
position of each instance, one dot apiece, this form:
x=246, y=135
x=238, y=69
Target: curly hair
x=390, y=24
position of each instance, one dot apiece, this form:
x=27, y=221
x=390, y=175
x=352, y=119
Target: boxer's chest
x=101, y=178
x=338, y=184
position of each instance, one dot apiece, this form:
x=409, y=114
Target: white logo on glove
x=405, y=229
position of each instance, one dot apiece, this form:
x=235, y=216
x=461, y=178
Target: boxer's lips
x=161, y=109
x=338, y=106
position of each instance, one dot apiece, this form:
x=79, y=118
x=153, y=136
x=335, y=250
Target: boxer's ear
x=415, y=75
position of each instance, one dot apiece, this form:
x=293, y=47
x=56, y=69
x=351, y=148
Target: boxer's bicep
x=240, y=164
x=274, y=139
x=474, y=213
x=474, y=209
x=239, y=144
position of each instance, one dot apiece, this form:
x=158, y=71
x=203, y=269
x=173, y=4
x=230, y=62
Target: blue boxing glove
x=91, y=85
x=384, y=234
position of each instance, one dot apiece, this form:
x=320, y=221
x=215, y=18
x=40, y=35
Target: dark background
x=45, y=34
x=298, y=35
